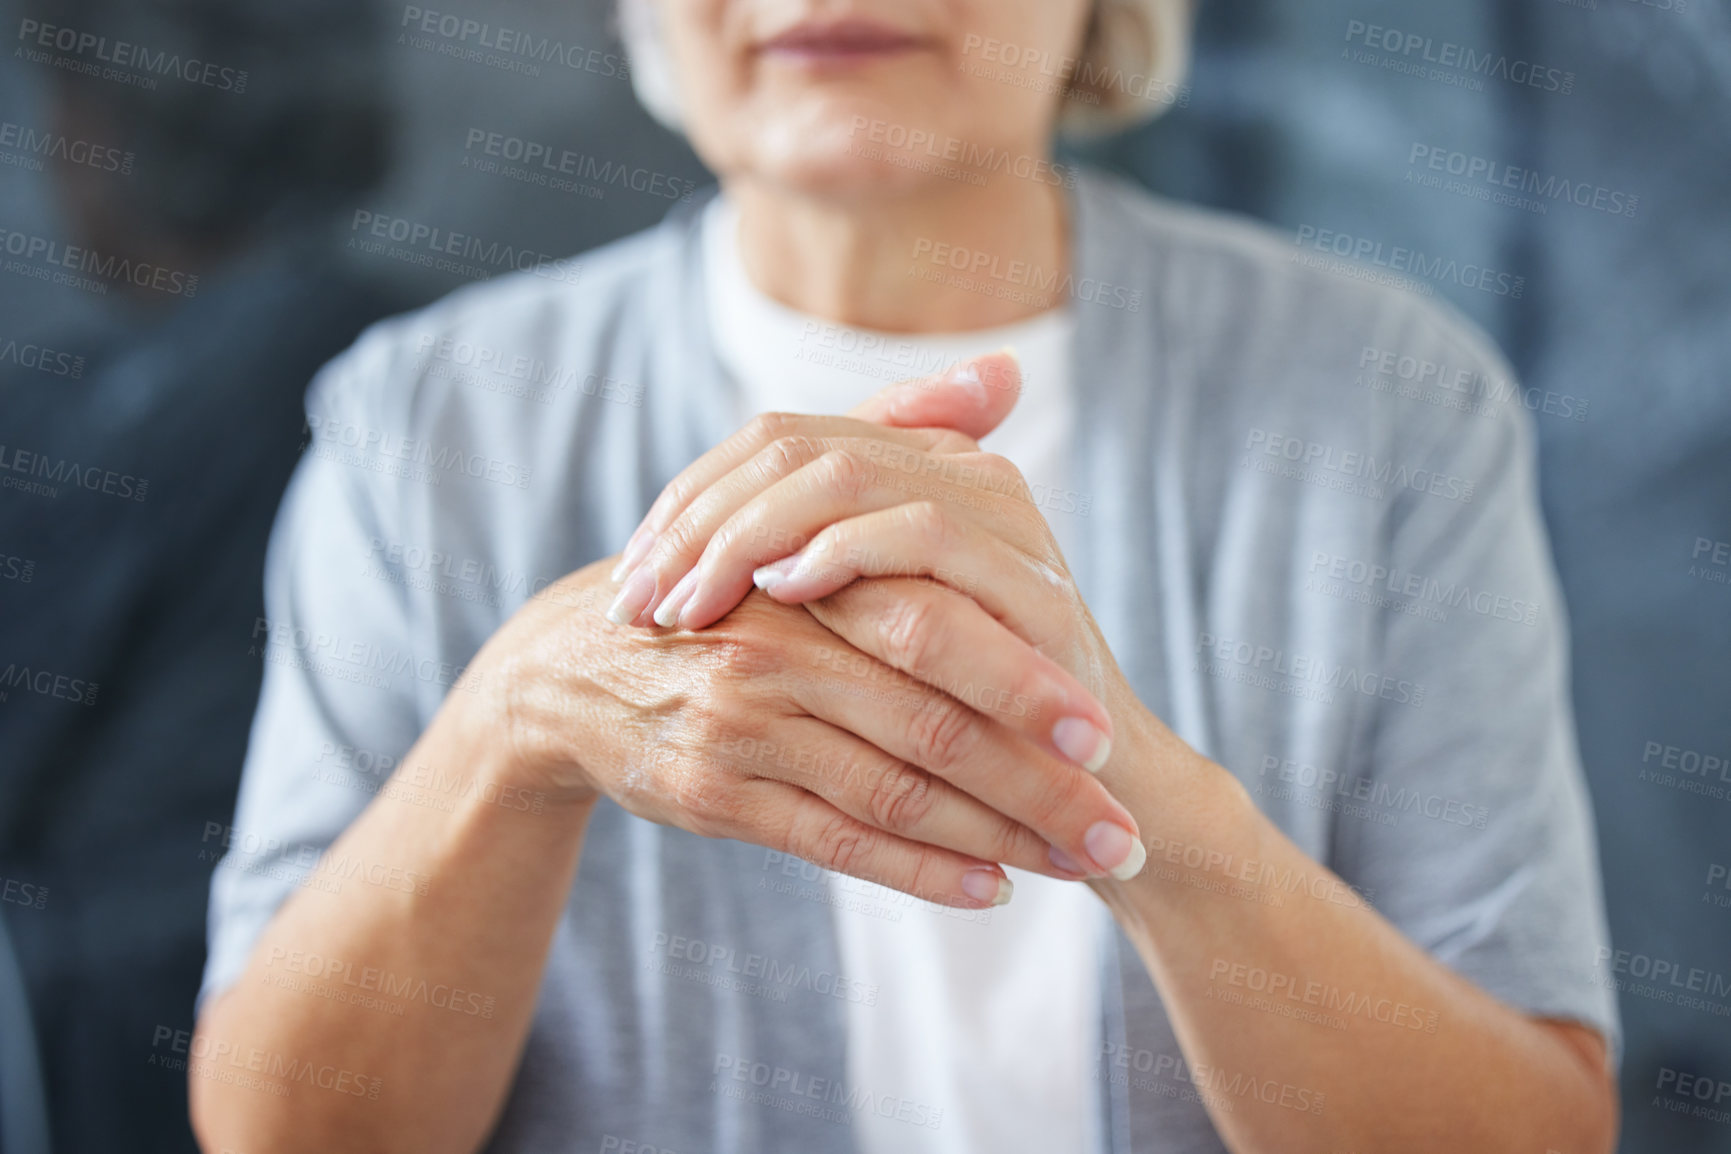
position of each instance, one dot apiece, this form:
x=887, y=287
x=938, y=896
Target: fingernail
x=667, y=613
x=1067, y=863
x=987, y=886
x=992, y=378
x=633, y=597
x=1115, y=850
x=1078, y=740
x=967, y=374
x=635, y=550
x=767, y=577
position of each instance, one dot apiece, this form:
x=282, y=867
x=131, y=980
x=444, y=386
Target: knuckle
x=845, y=473
x=927, y=884
x=842, y=844
x=786, y=454
x=901, y=797
x=1011, y=841
x=743, y=657
x=697, y=794
x=648, y=781
x=1063, y=793
x=705, y=719
x=942, y=734
x=997, y=465
x=911, y=634
x=678, y=540
x=930, y=523
x=739, y=531
x=1027, y=695
x=677, y=495
x=833, y=543
x=951, y=443
x=766, y=428
x=998, y=474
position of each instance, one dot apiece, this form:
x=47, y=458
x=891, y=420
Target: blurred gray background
x=1619, y=323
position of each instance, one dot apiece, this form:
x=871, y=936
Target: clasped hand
x=902, y=695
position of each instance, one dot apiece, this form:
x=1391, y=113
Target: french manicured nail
x=1067, y=863
x=987, y=886
x=1115, y=850
x=635, y=550
x=667, y=613
x=1078, y=740
x=995, y=378
x=768, y=577
x=967, y=374
x=638, y=589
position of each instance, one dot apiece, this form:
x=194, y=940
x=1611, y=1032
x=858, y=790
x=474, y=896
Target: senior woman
x=1239, y=659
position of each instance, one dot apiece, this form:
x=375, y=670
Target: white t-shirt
x=991, y=1017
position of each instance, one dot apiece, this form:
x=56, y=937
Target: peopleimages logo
x=1412, y=262
x=509, y=49
x=52, y=472
x=1472, y=390
x=463, y=253
x=544, y=164
x=46, y=256
x=988, y=273
x=1482, y=178
x=46, y=683
x=972, y=157
x=34, y=146
x=379, y=980
x=1664, y=980
x=1038, y=69
x=1398, y=799
x=414, y=458
x=1365, y=473
x=1217, y=652
x=1695, y=1095
x=799, y=1092
x=1414, y=49
x=42, y=359
x=38, y=39
x=716, y=964
x=264, y=1070
x=282, y=638
x=1424, y=590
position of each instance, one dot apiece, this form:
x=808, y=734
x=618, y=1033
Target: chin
x=823, y=144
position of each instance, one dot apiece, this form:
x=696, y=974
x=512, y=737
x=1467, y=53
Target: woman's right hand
x=768, y=728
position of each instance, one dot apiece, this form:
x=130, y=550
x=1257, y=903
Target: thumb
x=971, y=398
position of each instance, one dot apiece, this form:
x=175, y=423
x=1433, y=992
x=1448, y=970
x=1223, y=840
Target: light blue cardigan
x=1303, y=513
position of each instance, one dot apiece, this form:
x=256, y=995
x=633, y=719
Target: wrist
x=1195, y=820
x=495, y=742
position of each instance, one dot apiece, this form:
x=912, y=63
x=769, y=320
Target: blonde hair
x=1132, y=65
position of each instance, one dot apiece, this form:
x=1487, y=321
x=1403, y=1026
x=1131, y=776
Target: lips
x=840, y=41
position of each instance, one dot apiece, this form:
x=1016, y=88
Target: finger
x=945, y=640
x=1030, y=595
x=1067, y=807
x=823, y=471
x=972, y=398
x=795, y=821
x=709, y=554
x=866, y=783
x=758, y=433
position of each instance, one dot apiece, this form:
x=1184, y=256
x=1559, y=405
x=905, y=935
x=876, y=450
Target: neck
x=890, y=263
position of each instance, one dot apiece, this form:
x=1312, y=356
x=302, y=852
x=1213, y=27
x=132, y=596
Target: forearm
x=1273, y=970
x=436, y=988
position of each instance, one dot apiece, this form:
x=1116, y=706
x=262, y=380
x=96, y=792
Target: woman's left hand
x=805, y=506
x=831, y=502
